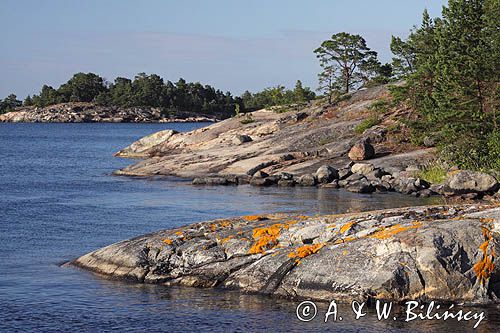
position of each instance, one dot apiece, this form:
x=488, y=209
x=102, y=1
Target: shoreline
x=297, y=257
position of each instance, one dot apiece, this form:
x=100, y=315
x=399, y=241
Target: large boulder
x=362, y=168
x=326, y=174
x=361, y=151
x=465, y=181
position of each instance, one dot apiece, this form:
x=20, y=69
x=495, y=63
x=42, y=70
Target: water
x=59, y=201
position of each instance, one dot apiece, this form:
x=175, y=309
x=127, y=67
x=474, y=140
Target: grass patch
x=366, y=124
x=247, y=120
x=434, y=173
x=380, y=106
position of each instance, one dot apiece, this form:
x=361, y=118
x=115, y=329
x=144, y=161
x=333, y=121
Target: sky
x=234, y=45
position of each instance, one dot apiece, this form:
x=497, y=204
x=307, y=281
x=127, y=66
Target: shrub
x=366, y=124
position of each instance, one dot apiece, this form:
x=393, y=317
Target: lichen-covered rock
x=362, y=168
x=361, y=151
x=239, y=139
x=445, y=253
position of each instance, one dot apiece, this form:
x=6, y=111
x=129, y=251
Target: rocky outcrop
x=443, y=253
x=80, y=112
x=139, y=148
x=296, y=142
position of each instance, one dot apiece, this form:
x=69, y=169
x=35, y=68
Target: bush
x=366, y=124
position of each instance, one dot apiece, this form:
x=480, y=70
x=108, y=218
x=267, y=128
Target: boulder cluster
x=366, y=178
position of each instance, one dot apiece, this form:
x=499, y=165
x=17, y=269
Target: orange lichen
x=225, y=240
x=484, y=268
x=225, y=224
x=385, y=233
x=168, y=241
x=331, y=226
x=305, y=251
x=265, y=238
x=213, y=227
x=344, y=240
x=346, y=227
x=178, y=233
x=254, y=218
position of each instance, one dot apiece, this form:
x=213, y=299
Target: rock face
x=429, y=253
x=361, y=151
x=465, y=181
x=80, y=112
x=296, y=142
x=139, y=148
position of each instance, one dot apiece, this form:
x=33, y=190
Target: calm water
x=58, y=201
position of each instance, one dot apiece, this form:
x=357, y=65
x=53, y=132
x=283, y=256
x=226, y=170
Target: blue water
x=58, y=201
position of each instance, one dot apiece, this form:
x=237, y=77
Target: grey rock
x=326, y=174
x=362, y=168
x=212, y=181
x=344, y=173
x=286, y=182
x=258, y=181
x=465, y=181
x=307, y=180
x=360, y=186
x=240, y=139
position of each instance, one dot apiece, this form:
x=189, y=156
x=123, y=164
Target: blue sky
x=231, y=44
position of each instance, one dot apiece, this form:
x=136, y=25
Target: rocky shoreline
x=445, y=253
x=90, y=113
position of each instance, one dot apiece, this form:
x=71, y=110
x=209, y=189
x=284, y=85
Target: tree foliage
x=347, y=62
x=277, y=95
x=9, y=103
x=453, y=80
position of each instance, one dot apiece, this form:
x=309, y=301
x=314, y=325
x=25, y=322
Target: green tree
x=347, y=63
x=9, y=103
x=28, y=101
x=82, y=87
x=47, y=96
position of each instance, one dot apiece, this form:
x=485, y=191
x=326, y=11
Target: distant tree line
x=277, y=95
x=152, y=91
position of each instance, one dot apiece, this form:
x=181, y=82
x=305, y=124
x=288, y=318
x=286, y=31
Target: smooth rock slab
x=425, y=253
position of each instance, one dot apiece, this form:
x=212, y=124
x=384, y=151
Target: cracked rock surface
x=443, y=253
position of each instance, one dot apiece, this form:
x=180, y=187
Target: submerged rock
x=438, y=253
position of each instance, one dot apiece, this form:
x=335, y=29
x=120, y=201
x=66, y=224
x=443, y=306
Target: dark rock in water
x=326, y=174
x=461, y=182
x=427, y=253
x=361, y=151
x=286, y=182
x=424, y=193
x=240, y=139
x=257, y=181
x=307, y=180
x=243, y=179
x=210, y=181
x=333, y=184
x=286, y=176
x=261, y=174
x=360, y=186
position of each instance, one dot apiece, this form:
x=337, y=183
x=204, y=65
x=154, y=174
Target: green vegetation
x=434, y=173
x=450, y=65
x=366, y=124
x=9, y=103
x=144, y=91
x=278, y=95
x=248, y=119
x=380, y=106
x=348, y=64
